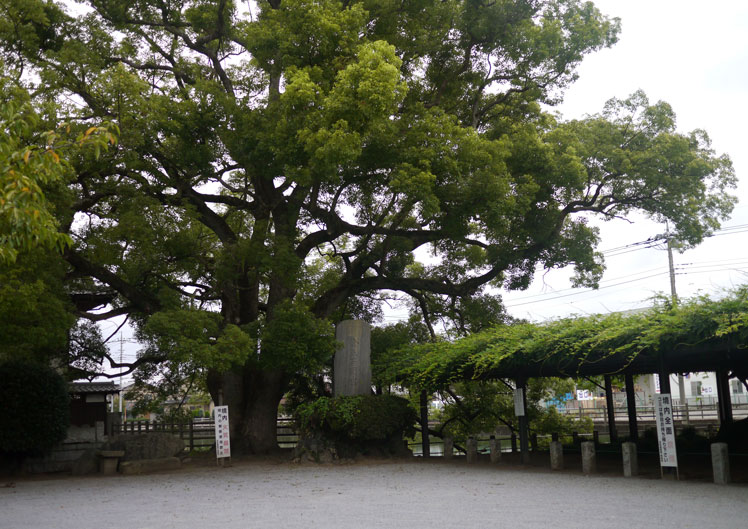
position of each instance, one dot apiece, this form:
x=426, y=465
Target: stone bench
x=109, y=460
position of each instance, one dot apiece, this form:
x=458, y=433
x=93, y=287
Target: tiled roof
x=93, y=387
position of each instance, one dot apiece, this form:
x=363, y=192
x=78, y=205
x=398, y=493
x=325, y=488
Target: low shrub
x=357, y=419
x=36, y=408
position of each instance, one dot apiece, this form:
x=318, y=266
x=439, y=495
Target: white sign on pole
x=223, y=444
x=519, y=402
x=584, y=394
x=665, y=430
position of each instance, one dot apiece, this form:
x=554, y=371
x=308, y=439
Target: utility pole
x=120, y=375
x=674, y=298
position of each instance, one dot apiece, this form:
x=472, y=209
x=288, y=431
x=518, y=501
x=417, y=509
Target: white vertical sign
x=519, y=402
x=223, y=445
x=665, y=430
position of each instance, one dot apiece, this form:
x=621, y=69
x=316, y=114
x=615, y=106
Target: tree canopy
x=285, y=162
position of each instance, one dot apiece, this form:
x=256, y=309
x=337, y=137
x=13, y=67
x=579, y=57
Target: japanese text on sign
x=665, y=430
x=223, y=443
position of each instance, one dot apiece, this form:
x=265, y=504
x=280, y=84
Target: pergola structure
x=694, y=336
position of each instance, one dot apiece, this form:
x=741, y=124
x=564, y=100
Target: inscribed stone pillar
x=589, y=459
x=630, y=459
x=449, y=445
x=495, y=445
x=557, y=455
x=471, y=450
x=720, y=463
x=352, y=365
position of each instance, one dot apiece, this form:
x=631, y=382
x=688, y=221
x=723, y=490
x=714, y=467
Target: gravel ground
x=266, y=494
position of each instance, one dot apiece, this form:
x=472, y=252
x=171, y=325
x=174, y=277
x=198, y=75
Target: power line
x=679, y=270
x=659, y=239
x=531, y=296
x=587, y=290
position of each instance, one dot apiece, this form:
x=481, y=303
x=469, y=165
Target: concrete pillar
x=720, y=463
x=471, y=450
x=557, y=455
x=449, y=447
x=589, y=458
x=630, y=459
x=495, y=445
x=352, y=364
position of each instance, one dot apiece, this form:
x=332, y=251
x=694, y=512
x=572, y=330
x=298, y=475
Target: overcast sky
x=694, y=55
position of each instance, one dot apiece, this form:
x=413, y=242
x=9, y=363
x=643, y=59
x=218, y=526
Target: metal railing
x=703, y=412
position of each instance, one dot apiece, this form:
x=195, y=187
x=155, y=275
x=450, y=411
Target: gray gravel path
x=385, y=494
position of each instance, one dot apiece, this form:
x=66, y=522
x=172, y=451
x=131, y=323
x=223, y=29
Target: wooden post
x=523, y=426
x=192, y=435
x=513, y=442
x=534, y=442
x=612, y=431
x=664, y=375
x=425, y=441
x=724, y=403
x=631, y=407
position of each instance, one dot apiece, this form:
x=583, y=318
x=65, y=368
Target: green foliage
x=294, y=340
x=386, y=341
x=477, y=407
x=569, y=345
x=549, y=421
x=30, y=161
x=357, y=419
x=36, y=410
x=35, y=315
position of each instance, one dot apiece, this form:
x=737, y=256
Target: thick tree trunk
x=252, y=398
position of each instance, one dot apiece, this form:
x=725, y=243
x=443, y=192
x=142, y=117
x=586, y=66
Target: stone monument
x=352, y=365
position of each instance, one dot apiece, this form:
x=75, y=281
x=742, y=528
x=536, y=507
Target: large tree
x=284, y=162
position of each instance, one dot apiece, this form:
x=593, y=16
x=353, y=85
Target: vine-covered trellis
x=699, y=334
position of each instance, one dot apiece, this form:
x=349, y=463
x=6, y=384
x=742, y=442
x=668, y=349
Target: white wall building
x=700, y=388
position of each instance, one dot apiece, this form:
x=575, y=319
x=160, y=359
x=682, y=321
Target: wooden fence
x=200, y=434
